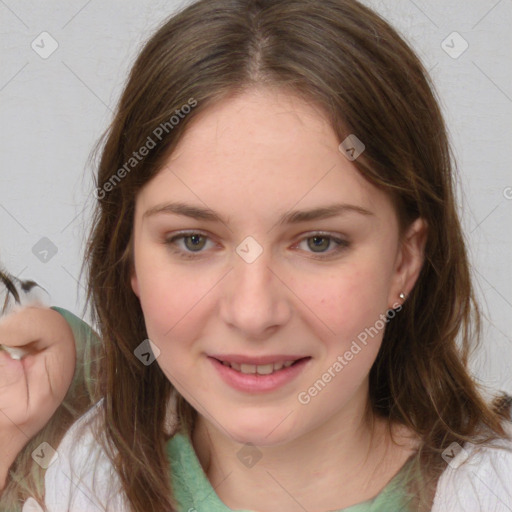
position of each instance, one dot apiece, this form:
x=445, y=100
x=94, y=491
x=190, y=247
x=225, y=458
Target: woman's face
x=259, y=244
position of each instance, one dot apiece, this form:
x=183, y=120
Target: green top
x=194, y=493
x=86, y=345
x=82, y=331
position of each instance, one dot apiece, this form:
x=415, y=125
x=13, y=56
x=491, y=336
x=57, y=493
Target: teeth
x=260, y=369
x=247, y=368
x=265, y=369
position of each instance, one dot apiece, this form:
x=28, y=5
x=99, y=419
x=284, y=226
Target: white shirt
x=477, y=480
x=82, y=479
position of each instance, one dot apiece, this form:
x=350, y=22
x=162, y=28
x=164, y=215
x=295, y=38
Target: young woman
x=276, y=214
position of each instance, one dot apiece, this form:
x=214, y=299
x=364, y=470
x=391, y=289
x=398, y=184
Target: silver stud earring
x=402, y=295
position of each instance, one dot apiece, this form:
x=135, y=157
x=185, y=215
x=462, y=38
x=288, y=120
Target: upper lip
x=243, y=359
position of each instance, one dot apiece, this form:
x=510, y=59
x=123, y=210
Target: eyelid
x=340, y=240
x=171, y=240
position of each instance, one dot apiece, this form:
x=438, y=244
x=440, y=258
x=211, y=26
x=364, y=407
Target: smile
x=259, y=369
x=259, y=374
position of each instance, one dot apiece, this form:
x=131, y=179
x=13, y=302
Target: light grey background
x=53, y=110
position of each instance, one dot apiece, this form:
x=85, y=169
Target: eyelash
x=341, y=244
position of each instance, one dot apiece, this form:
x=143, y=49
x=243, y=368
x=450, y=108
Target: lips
x=259, y=374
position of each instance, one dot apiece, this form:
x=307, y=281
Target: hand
x=32, y=388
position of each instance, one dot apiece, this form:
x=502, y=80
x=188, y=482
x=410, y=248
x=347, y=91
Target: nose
x=255, y=300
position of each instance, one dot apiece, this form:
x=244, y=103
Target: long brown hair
x=350, y=63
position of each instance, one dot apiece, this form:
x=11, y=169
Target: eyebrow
x=293, y=217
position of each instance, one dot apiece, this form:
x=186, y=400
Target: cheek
x=171, y=305
x=350, y=306
x=347, y=301
x=171, y=300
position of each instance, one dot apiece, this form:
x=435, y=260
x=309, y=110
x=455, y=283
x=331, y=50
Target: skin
x=251, y=159
x=31, y=389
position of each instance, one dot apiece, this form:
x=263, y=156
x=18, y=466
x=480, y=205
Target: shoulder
x=477, y=478
x=81, y=476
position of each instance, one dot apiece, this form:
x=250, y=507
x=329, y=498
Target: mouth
x=267, y=368
x=263, y=374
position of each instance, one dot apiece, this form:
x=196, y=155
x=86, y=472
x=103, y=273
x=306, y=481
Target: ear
x=134, y=282
x=409, y=261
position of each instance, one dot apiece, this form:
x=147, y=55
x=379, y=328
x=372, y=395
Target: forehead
x=262, y=151
x=257, y=128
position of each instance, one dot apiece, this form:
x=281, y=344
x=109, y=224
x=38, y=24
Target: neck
x=352, y=448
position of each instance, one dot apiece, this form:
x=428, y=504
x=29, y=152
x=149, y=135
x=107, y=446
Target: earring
x=402, y=295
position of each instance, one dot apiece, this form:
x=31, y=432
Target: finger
x=11, y=371
x=34, y=328
x=14, y=352
x=49, y=373
x=20, y=328
x=13, y=392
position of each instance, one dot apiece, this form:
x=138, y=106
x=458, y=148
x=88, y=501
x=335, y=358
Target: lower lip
x=258, y=383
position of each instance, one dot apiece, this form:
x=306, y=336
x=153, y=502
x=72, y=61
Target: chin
x=260, y=431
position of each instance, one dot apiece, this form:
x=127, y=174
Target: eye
x=193, y=242
x=320, y=242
